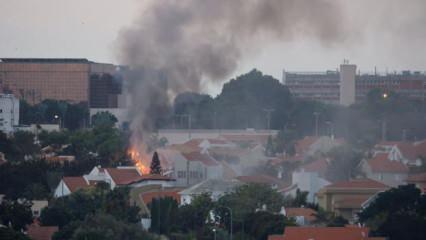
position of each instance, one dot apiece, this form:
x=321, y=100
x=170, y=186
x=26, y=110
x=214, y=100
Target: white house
x=9, y=112
x=215, y=187
x=307, y=182
x=385, y=170
x=115, y=177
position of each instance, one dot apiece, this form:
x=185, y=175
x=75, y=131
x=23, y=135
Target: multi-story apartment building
x=74, y=80
x=345, y=87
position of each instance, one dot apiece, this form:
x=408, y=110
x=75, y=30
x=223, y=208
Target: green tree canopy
x=399, y=213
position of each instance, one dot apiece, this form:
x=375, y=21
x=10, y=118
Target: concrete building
x=346, y=86
x=9, y=112
x=72, y=79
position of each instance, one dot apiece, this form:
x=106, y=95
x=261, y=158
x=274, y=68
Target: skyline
x=27, y=30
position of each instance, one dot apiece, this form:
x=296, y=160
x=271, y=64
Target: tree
x=10, y=234
x=399, y=213
x=15, y=214
x=244, y=201
x=194, y=216
x=102, y=226
x=104, y=119
x=163, y=215
x=155, y=167
x=260, y=224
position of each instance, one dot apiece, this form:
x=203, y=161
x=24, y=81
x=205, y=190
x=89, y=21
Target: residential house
x=325, y=233
x=69, y=185
x=309, y=182
x=386, y=170
x=311, y=145
x=347, y=197
x=37, y=206
x=418, y=179
x=302, y=216
x=115, y=177
x=409, y=153
x=215, y=187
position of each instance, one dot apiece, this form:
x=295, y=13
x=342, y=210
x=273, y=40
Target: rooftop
x=203, y=158
x=326, y=233
x=75, y=183
x=44, y=60
x=36, y=232
x=365, y=183
x=381, y=163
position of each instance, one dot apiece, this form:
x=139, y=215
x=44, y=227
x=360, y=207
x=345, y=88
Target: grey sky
x=389, y=34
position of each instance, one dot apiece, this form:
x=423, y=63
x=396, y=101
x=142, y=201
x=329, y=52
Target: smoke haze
x=176, y=46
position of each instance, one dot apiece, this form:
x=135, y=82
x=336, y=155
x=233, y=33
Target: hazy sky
x=389, y=34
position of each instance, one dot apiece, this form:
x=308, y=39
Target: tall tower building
x=347, y=83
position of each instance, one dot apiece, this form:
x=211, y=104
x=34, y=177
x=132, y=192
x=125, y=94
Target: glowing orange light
x=140, y=158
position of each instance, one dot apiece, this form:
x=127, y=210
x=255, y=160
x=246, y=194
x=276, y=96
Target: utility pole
x=316, y=114
x=384, y=129
x=404, y=134
x=268, y=111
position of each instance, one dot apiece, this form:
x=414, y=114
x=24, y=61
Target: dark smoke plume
x=177, y=45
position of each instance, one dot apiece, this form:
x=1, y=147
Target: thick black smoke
x=176, y=45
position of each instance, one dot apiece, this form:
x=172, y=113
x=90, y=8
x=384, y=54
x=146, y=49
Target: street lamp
x=385, y=95
x=214, y=232
x=56, y=116
x=230, y=214
x=316, y=114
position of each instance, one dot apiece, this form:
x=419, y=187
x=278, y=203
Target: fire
x=140, y=158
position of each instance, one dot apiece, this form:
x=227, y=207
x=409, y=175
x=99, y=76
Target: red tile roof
x=320, y=166
x=381, y=163
x=420, y=148
x=307, y=213
x=326, y=233
x=75, y=183
x=417, y=178
x=147, y=197
x=275, y=237
x=203, y=158
x=260, y=179
x=124, y=176
x=36, y=232
x=365, y=183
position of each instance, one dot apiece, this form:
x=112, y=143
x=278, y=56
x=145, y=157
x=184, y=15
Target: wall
x=9, y=112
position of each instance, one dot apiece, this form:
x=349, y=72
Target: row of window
x=192, y=174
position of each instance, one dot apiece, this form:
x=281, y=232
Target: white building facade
x=9, y=112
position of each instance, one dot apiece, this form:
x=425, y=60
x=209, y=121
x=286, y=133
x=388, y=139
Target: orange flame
x=140, y=158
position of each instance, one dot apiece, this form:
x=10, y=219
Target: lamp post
x=316, y=114
x=214, y=233
x=58, y=118
x=230, y=214
x=268, y=116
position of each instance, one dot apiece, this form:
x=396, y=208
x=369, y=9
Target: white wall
x=9, y=112
x=310, y=182
x=62, y=190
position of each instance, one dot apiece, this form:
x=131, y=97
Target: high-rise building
x=346, y=86
x=72, y=79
